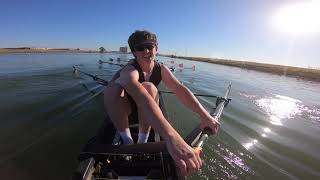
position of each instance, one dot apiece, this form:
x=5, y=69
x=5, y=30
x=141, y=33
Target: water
x=270, y=130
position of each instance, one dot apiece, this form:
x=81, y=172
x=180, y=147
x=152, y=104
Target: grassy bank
x=5, y=51
x=304, y=73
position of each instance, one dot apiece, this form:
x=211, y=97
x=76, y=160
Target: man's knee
x=112, y=92
x=151, y=88
x=115, y=99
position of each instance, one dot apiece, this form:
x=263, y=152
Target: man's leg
x=144, y=126
x=118, y=108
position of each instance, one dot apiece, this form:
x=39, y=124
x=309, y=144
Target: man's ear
x=133, y=53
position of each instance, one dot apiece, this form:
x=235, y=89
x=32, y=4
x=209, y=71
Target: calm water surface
x=269, y=131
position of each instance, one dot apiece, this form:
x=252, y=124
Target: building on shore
x=123, y=49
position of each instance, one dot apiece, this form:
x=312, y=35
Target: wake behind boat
x=104, y=156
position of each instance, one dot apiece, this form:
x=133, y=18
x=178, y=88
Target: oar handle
x=198, y=150
x=206, y=132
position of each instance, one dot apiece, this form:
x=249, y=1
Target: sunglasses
x=142, y=47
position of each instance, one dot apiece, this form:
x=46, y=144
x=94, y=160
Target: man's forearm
x=189, y=100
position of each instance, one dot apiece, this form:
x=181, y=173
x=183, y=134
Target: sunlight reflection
x=266, y=130
x=275, y=120
x=279, y=108
x=250, y=144
x=236, y=161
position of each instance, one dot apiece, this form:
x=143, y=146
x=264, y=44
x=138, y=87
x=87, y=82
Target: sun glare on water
x=298, y=18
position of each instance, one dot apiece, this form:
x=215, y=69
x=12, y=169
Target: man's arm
x=184, y=156
x=188, y=99
x=117, y=74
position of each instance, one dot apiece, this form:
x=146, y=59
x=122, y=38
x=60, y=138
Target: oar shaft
x=104, y=82
x=222, y=102
x=94, y=77
x=204, y=95
x=218, y=111
x=101, y=61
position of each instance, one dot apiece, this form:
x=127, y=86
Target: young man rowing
x=133, y=90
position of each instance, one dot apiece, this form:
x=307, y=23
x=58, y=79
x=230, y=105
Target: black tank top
x=107, y=131
x=155, y=77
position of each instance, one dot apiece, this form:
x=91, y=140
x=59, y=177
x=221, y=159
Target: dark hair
x=139, y=37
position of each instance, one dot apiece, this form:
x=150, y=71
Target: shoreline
x=13, y=50
x=281, y=70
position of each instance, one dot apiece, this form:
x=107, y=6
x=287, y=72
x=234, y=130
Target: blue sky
x=232, y=29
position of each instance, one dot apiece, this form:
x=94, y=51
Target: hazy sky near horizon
x=269, y=31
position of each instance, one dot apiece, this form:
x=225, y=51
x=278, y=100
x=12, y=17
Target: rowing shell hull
x=100, y=158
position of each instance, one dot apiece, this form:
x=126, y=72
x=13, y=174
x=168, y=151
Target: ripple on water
x=226, y=163
x=280, y=108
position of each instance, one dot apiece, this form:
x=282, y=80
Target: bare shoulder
x=116, y=76
x=130, y=61
x=166, y=72
x=165, y=69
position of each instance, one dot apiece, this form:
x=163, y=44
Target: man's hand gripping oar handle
x=206, y=132
x=202, y=140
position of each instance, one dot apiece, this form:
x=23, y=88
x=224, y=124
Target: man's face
x=145, y=52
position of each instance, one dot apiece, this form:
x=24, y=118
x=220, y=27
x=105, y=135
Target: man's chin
x=149, y=59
